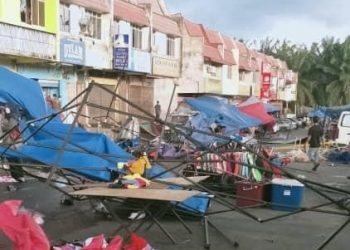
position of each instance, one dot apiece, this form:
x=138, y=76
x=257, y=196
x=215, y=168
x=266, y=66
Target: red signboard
x=265, y=85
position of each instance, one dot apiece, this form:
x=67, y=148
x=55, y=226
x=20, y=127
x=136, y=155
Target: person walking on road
x=314, y=139
x=157, y=110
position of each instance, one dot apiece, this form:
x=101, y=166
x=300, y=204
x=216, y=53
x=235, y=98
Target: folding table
x=167, y=197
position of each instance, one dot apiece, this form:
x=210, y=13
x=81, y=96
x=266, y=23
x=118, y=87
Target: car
x=284, y=124
x=295, y=123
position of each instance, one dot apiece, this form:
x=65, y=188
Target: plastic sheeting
x=24, y=92
x=222, y=113
x=90, y=154
x=258, y=111
x=270, y=108
x=316, y=113
x=333, y=112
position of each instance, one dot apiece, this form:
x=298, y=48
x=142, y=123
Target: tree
x=324, y=69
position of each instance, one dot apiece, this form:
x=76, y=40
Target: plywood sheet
x=182, y=181
x=145, y=194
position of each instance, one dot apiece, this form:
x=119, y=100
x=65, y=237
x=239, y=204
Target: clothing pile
x=131, y=181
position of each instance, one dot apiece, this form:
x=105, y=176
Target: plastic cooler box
x=249, y=194
x=286, y=194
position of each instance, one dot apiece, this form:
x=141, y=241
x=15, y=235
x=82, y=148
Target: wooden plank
x=182, y=181
x=145, y=194
x=157, y=184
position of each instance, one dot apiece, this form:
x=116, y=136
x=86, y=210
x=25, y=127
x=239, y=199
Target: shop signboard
x=265, y=86
x=166, y=67
x=72, y=51
x=121, y=51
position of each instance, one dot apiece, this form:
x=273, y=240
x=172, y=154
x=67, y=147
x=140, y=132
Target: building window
x=346, y=121
x=241, y=75
x=170, y=46
x=64, y=17
x=33, y=12
x=90, y=24
x=136, y=37
x=211, y=70
x=229, y=72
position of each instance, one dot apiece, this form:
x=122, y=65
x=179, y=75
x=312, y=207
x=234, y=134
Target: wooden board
x=145, y=194
x=182, y=181
x=157, y=184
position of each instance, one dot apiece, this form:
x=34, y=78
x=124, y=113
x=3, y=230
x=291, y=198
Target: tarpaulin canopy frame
x=218, y=196
x=307, y=183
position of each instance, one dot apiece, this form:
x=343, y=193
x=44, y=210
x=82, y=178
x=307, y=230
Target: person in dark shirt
x=157, y=110
x=314, y=139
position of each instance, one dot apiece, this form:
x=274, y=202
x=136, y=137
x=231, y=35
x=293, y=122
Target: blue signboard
x=121, y=52
x=72, y=52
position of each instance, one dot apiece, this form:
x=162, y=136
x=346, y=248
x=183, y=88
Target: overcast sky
x=300, y=21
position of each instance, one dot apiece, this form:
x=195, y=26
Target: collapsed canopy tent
x=258, y=111
x=317, y=113
x=270, y=108
x=23, y=92
x=222, y=113
x=90, y=154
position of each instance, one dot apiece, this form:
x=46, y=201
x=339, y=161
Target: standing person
x=56, y=103
x=10, y=123
x=157, y=110
x=314, y=139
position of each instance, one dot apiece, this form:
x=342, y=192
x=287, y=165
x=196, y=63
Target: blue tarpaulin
x=223, y=113
x=93, y=155
x=317, y=113
x=24, y=92
x=90, y=154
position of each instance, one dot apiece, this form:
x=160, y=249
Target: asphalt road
x=306, y=230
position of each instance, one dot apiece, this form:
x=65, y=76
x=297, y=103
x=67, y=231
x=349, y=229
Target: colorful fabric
x=21, y=228
x=138, y=166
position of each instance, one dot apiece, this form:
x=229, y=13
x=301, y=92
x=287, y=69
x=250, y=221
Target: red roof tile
x=193, y=29
x=243, y=50
x=253, y=53
x=228, y=42
x=100, y=6
x=212, y=37
x=212, y=53
x=131, y=13
x=244, y=63
x=155, y=5
x=228, y=57
x=255, y=65
x=165, y=25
